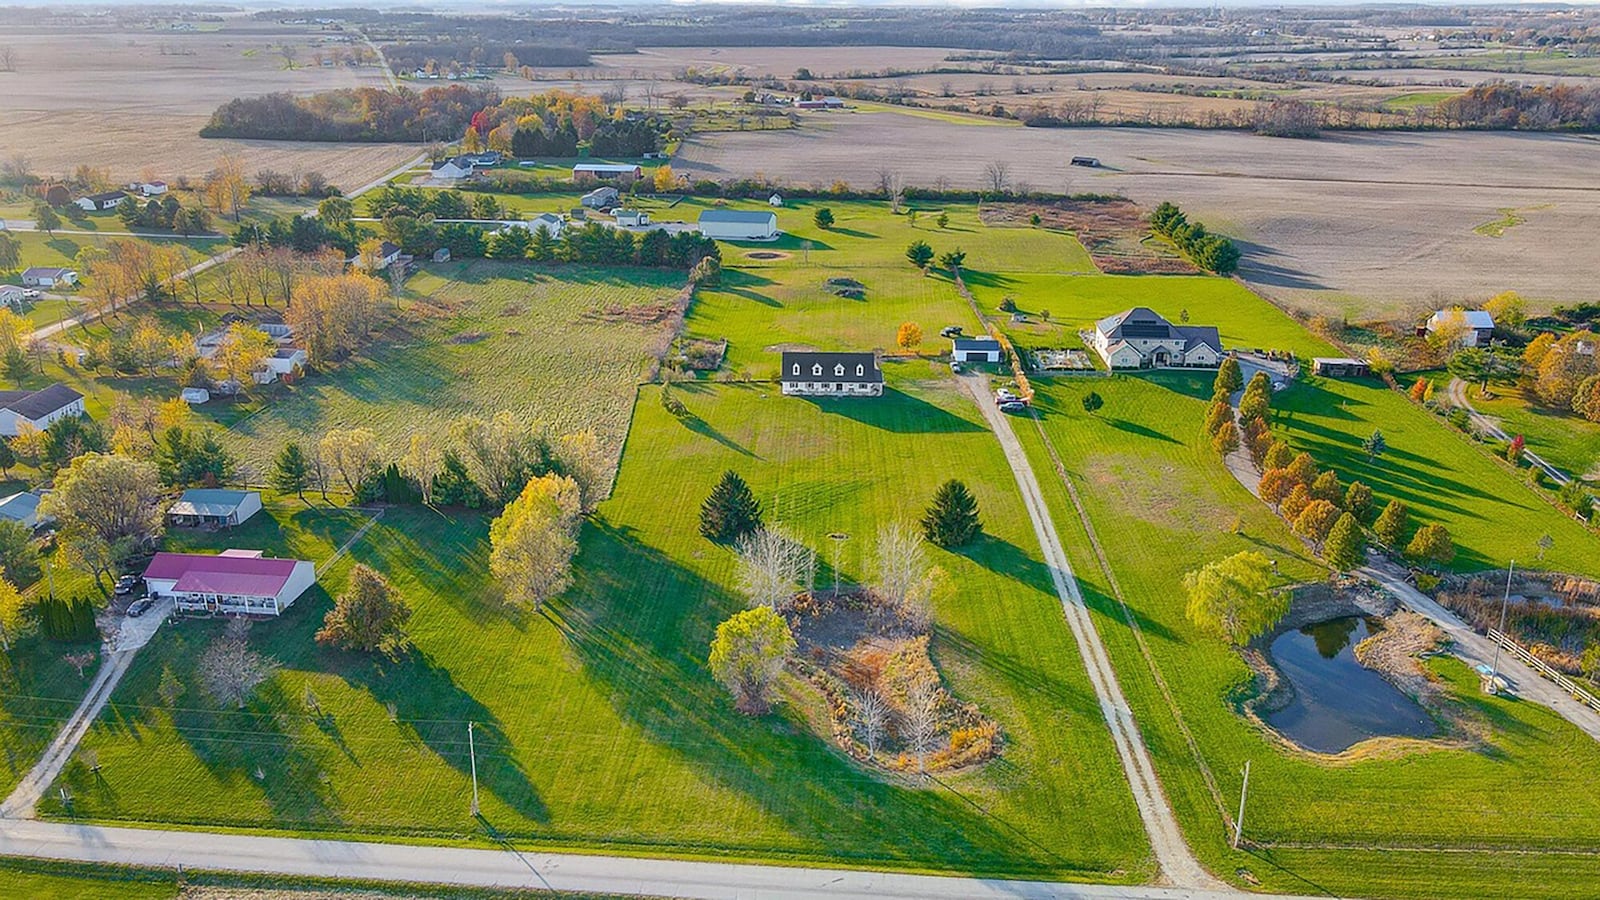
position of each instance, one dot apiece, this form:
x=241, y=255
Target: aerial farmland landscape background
x=710, y=450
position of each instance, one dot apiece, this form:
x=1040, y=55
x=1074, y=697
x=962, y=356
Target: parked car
x=127, y=584
x=140, y=606
x=950, y=331
x=1013, y=406
x=31, y=294
x=1005, y=395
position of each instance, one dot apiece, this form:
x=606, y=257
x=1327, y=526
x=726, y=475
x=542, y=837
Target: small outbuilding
x=975, y=349
x=632, y=218
x=775, y=200
x=1476, y=326
x=739, y=225
x=209, y=508
x=1340, y=367
x=608, y=171
x=600, y=198
x=195, y=396
x=441, y=255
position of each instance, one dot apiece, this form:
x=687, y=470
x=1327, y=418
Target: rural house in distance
x=1475, y=326
x=1140, y=338
x=811, y=374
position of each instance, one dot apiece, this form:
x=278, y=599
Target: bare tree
x=997, y=174
x=79, y=661
x=899, y=562
x=872, y=718
x=922, y=719
x=8, y=58
x=773, y=567
x=288, y=52
x=229, y=670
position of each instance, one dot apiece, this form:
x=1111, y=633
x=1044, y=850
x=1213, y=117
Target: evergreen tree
x=732, y=511
x=952, y=518
x=1391, y=524
x=1358, y=500
x=1346, y=546
x=292, y=471
x=1092, y=402
x=824, y=218
x=8, y=458
x=1229, y=379
x=1432, y=543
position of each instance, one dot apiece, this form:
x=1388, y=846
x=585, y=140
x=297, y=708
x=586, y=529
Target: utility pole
x=1244, y=791
x=839, y=538
x=473, y=751
x=1494, y=670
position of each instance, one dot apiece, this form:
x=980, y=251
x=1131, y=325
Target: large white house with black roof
x=811, y=374
x=1140, y=338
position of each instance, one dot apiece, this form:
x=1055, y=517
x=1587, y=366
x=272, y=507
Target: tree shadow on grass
x=641, y=625
x=895, y=411
x=1134, y=428
x=975, y=278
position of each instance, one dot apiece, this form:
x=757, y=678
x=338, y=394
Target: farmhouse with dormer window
x=831, y=374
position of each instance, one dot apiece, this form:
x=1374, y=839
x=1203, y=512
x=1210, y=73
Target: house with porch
x=213, y=508
x=233, y=582
x=1140, y=338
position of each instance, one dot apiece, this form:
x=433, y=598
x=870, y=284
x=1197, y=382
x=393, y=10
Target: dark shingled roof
x=40, y=403
x=835, y=367
x=1200, y=334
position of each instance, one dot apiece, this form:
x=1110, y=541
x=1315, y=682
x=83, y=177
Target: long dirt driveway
x=1178, y=864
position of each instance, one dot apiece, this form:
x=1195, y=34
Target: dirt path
x=1458, y=397
x=21, y=803
x=1178, y=864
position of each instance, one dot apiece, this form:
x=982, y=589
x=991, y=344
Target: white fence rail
x=1543, y=668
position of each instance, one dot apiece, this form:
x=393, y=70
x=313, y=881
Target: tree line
x=1212, y=252
x=352, y=114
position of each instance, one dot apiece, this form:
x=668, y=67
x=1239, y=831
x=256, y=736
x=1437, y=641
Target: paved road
x=29, y=225
x=197, y=268
x=514, y=869
x=1476, y=649
x=1177, y=863
x=1458, y=397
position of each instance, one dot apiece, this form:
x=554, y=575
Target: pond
x=1337, y=701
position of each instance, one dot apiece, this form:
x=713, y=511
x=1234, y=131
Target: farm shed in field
x=609, y=171
x=831, y=374
x=739, y=225
x=37, y=408
x=1340, y=367
x=233, y=582
x=975, y=349
x=223, y=509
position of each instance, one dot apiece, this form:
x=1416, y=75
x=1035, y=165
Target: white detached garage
x=739, y=225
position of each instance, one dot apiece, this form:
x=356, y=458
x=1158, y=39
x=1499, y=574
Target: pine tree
x=292, y=471
x=1358, y=500
x=1346, y=547
x=952, y=518
x=8, y=458
x=732, y=511
x=1229, y=379
x=1391, y=524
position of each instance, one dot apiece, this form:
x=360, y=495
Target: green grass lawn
x=598, y=724
x=478, y=338
x=1567, y=441
x=40, y=880
x=1162, y=504
x=61, y=249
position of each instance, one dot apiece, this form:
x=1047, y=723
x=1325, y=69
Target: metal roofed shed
x=214, y=508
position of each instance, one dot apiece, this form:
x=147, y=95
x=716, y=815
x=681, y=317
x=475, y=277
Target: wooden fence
x=1543, y=668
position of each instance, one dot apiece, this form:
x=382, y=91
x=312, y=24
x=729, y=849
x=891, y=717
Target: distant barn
x=1088, y=161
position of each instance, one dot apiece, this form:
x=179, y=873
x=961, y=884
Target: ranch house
x=213, y=508
x=1139, y=338
x=233, y=582
x=37, y=408
x=48, y=277
x=811, y=374
x=102, y=201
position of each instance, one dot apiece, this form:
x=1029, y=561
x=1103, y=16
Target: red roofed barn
x=236, y=582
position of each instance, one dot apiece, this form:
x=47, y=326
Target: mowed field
x=482, y=337
x=134, y=103
x=1161, y=504
x=597, y=722
x=1359, y=224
